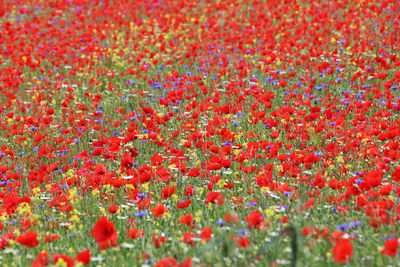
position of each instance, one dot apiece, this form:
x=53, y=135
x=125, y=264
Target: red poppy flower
x=158, y=240
x=187, y=144
x=206, y=234
x=186, y=219
x=189, y=190
x=42, y=258
x=391, y=247
x=101, y=169
x=213, y=197
x=83, y=257
x=386, y=189
x=194, y=172
x=396, y=174
x=134, y=233
x=167, y=262
x=243, y=241
x=374, y=178
x=307, y=230
x=144, y=203
x=113, y=208
x=126, y=162
x=343, y=250
x=282, y=157
x=183, y=204
x=188, y=238
x=104, y=233
x=156, y=159
x=167, y=192
x=282, y=83
x=226, y=163
x=255, y=219
x=231, y=218
x=70, y=261
x=274, y=134
x=159, y=210
x=51, y=237
x=186, y=263
x=29, y=239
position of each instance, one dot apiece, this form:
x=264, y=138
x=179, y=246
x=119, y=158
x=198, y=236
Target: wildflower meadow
x=199, y=133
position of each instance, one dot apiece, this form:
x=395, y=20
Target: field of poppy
x=199, y=133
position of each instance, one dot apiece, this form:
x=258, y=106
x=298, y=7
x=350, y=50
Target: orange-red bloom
x=206, y=234
x=243, y=241
x=213, y=197
x=29, y=239
x=83, y=257
x=343, y=250
x=134, y=233
x=255, y=219
x=391, y=247
x=113, y=209
x=186, y=219
x=104, y=233
x=159, y=210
